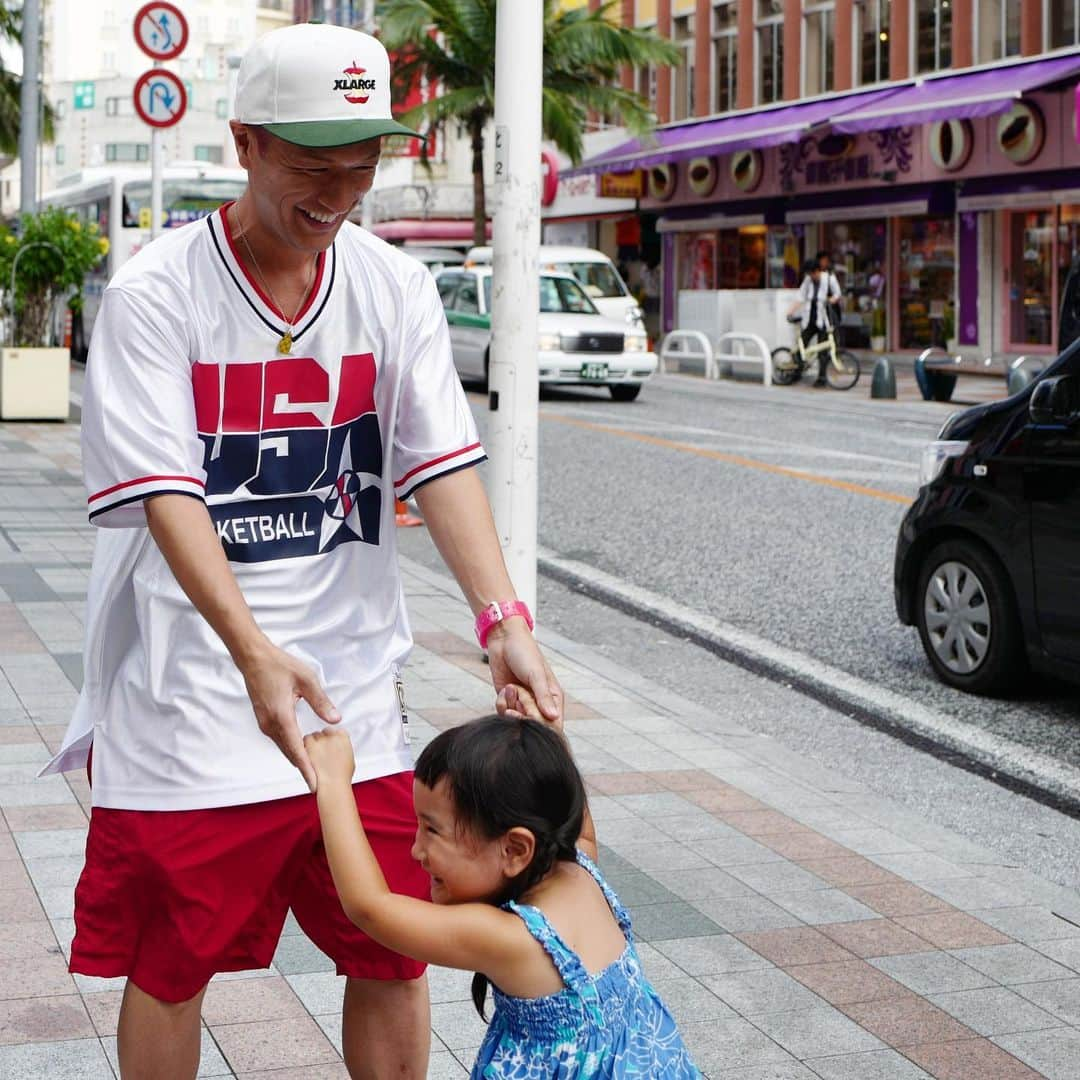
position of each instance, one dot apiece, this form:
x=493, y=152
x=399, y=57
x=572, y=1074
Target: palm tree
x=584, y=53
x=11, y=30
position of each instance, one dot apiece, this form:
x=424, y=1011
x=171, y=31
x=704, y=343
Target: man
x=815, y=319
x=262, y=385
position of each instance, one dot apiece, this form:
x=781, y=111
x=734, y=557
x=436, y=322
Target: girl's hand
x=515, y=700
x=331, y=754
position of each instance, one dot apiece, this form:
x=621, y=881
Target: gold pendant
x=284, y=346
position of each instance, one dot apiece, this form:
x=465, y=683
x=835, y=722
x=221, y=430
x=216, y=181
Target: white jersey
x=298, y=459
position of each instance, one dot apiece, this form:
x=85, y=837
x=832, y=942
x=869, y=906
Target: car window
x=447, y=283
x=598, y=279
x=466, y=299
x=559, y=294
x=487, y=294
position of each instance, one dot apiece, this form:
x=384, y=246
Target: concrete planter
x=35, y=384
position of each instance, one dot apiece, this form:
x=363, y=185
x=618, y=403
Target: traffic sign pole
x=157, y=166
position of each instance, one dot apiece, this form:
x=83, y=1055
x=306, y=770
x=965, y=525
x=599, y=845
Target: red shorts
x=170, y=897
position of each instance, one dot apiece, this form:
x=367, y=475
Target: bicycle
x=841, y=372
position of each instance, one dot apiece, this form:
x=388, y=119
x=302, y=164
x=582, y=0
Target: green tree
x=584, y=54
x=10, y=31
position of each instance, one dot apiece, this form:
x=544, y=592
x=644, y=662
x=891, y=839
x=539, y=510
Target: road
x=775, y=512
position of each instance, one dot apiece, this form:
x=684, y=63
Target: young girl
x=505, y=834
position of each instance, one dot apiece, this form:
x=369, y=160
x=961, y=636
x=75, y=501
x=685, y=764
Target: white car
x=593, y=269
x=577, y=345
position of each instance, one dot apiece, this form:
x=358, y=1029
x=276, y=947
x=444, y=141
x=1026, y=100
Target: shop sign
x=629, y=185
x=830, y=159
x=549, y=169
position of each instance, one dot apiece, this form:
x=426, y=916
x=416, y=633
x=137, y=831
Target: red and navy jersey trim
x=443, y=465
x=130, y=491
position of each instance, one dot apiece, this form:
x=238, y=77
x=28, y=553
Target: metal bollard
x=883, y=382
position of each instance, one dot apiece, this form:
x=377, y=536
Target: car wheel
x=625, y=391
x=967, y=619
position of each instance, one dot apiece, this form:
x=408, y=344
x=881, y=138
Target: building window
x=119, y=106
x=221, y=108
x=770, y=51
x=212, y=154
x=998, y=30
x=872, y=61
x=108, y=61
x=60, y=108
x=933, y=35
x=127, y=151
x=682, y=77
x=819, y=33
x=1063, y=23
x=725, y=49
x=646, y=85
x=59, y=155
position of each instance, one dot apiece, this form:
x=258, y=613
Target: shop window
x=933, y=35
x=696, y=259
x=741, y=259
x=1068, y=243
x=784, y=257
x=682, y=77
x=1031, y=277
x=998, y=29
x=770, y=51
x=1063, y=23
x=859, y=252
x=872, y=60
x=819, y=33
x=927, y=273
x=725, y=49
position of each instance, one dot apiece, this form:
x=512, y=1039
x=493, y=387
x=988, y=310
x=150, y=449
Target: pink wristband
x=494, y=614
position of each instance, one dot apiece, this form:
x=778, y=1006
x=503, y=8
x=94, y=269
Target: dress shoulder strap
x=622, y=916
x=567, y=962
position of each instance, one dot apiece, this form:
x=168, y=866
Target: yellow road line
x=729, y=459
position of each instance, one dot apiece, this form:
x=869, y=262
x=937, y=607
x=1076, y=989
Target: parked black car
x=988, y=557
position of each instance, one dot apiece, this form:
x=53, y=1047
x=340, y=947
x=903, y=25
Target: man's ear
x=518, y=848
x=244, y=143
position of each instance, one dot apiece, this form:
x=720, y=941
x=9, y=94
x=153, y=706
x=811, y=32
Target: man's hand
x=514, y=657
x=275, y=682
x=331, y=755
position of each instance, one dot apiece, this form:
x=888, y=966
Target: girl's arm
x=473, y=937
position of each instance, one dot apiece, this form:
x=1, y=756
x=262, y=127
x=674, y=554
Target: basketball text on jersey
x=293, y=463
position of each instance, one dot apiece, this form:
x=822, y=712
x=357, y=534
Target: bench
x=936, y=371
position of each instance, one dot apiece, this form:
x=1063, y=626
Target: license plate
x=594, y=372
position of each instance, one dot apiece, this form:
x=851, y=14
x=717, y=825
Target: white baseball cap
x=317, y=85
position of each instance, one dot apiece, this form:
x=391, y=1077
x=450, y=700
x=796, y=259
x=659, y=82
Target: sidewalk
x=798, y=926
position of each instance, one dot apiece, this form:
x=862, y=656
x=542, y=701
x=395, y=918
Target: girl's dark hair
x=504, y=773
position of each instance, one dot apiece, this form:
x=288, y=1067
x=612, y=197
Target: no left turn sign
x=160, y=98
x=161, y=30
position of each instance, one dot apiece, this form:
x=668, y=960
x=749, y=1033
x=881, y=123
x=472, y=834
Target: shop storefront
x=956, y=231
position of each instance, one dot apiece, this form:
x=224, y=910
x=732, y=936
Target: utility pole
x=29, y=92
x=513, y=372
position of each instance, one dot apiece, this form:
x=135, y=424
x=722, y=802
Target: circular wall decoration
x=701, y=175
x=662, y=180
x=834, y=146
x=1020, y=132
x=746, y=169
x=950, y=143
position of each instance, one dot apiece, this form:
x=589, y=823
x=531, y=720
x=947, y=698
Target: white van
x=592, y=268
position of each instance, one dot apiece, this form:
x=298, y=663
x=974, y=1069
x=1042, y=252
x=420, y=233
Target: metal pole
x=156, y=167
x=28, y=106
x=513, y=372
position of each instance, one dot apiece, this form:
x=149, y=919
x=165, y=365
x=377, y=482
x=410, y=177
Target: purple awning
x=725, y=135
x=952, y=97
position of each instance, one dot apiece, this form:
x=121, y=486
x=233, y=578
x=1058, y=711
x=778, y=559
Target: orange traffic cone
x=403, y=516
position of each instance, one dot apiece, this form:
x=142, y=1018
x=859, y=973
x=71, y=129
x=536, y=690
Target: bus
x=117, y=200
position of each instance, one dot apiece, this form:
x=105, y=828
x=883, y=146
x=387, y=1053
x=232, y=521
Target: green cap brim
x=324, y=133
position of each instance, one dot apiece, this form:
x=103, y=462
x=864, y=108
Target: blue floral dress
x=611, y=1024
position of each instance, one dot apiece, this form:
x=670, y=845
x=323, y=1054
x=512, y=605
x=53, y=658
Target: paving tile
x=906, y=1021
x=636, y=889
x=973, y=894
x=869, y=1065
x=104, y=1010
x=816, y=1032
x=701, y=883
x=51, y=843
x=762, y=991
x=1055, y=1054
x=75, y=1059
x=665, y=856
x=41, y=975
x=752, y=912
x=26, y=940
x=1028, y=924
x=44, y=1019
x=290, y=1043
x=799, y=945
x=931, y=972
x=247, y=1000
x=458, y=1024
x=62, y=816
x=783, y=1070
x=851, y=870
x=656, y=805
x=623, y=783
x=725, y=800
x=1064, y=951
x=735, y=851
x=763, y=822
x=972, y=1059
x=801, y=847
x=994, y=1011
x=661, y=922
x=688, y=780
x=714, y=1045
x=952, y=930
x=1061, y=997
x=711, y=955
x=699, y=826
x=1013, y=963
x=441, y=1066
x=823, y=906
x=848, y=981
x=655, y=964
x=691, y=1001
x=296, y=954
x=777, y=877
x=875, y=937
x=336, y=1071
x=898, y=898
